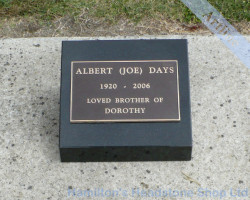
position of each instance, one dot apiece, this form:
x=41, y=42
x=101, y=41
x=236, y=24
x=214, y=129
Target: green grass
x=113, y=10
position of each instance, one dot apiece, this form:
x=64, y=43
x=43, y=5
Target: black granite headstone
x=125, y=100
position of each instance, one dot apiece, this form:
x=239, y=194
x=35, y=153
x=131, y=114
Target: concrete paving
x=30, y=166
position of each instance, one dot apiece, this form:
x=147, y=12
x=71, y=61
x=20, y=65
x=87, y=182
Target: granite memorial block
x=125, y=100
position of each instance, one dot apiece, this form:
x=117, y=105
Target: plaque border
x=125, y=120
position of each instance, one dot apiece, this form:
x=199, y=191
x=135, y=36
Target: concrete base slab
x=30, y=166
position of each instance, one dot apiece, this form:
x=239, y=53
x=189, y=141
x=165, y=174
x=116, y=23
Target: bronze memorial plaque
x=124, y=91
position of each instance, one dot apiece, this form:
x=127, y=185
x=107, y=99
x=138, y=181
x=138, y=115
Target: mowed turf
x=113, y=10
